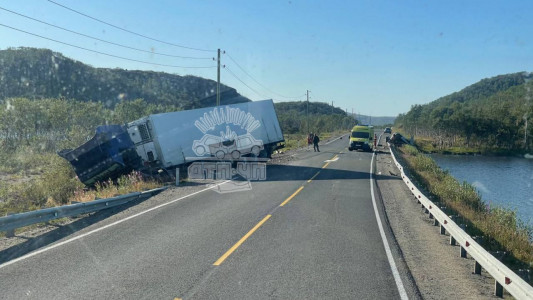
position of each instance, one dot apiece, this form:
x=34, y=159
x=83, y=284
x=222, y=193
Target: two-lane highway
x=308, y=231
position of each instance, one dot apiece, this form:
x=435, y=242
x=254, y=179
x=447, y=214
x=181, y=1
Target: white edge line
x=104, y=227
x=394, y=269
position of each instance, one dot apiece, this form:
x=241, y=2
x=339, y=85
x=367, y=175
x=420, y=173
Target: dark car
x=387, y=130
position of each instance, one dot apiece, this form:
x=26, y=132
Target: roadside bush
x=59, y=181
x=54, y=187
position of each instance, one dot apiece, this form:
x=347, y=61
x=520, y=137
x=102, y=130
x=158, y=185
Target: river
x=504, y=181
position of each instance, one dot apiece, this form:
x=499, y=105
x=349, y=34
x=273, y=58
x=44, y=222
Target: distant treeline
x=322, y=117
x=494, y=114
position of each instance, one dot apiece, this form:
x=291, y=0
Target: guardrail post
x=10, y=233
x=477, y=268
x=430, y=216
x=452, y=241
x=435, y=222
x=177, y=176
x=463, y=252
x=442, y=230
x=498, y=289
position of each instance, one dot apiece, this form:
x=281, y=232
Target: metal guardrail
x=503, y=276
x=11, y=222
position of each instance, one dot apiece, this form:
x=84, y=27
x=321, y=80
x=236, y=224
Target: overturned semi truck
x=162, y=142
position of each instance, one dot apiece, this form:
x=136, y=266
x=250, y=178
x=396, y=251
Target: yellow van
x=362, y=137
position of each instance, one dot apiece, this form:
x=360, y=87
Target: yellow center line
x=292, y=196
x=313, y=177
x=246, y=236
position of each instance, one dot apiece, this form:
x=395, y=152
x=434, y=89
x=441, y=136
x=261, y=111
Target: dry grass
x=130, y=183
x=54, y=183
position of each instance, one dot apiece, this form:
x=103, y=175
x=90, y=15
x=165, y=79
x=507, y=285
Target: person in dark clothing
x=315, y=143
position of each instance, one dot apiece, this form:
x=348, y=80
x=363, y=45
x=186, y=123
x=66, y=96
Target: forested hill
x=300, y=107
x=40, y=73
x=484, y=88
x=491, y=114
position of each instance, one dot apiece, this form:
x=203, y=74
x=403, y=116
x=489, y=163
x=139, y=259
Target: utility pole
x=218, y=78
x=332, y=107
x=307, y=112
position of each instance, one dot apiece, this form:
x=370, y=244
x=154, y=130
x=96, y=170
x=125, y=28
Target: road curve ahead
x=308, y=231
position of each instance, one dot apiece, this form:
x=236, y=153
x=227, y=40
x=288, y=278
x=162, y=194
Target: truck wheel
x=235, y=154
x=255, y=151
x=350, y=149
x=200, y=150
x=220, y=154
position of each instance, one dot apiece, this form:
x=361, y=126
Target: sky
x=371, y=57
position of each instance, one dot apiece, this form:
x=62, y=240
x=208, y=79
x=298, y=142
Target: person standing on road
x=315, y=143
x=309, y=140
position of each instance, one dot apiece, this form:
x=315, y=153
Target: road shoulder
x=436, y=267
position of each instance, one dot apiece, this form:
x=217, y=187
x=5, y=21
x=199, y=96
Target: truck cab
x=140, y=132
x=361, y=137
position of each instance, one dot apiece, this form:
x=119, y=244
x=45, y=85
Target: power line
x=107, y=54
x=129, y=31
x=101, y=40
x=233, y=74
x=266, y=88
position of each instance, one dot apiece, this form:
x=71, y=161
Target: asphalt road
x=275, y=240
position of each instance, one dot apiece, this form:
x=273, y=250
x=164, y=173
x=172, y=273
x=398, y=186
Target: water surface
x=505, y=181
